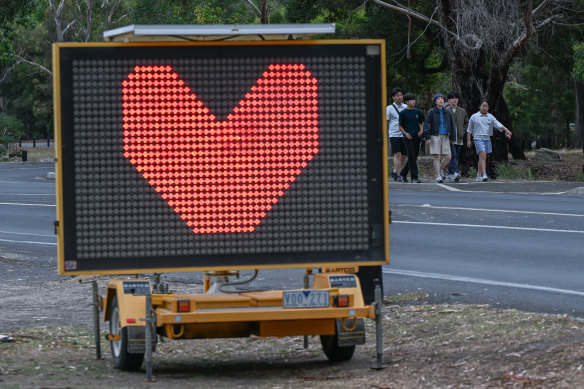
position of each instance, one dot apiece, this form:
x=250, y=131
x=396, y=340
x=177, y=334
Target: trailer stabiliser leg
x=379, y=326
x=306, y=286
x=96, y=329
x=148, y=338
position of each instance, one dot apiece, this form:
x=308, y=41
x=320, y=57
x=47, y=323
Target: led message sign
x=176, y=157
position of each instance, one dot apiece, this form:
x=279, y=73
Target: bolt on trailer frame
x=221, y=155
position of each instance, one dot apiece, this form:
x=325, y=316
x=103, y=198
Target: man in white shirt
x=396, y=138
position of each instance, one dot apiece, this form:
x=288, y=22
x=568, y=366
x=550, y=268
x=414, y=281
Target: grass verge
x=423, y=346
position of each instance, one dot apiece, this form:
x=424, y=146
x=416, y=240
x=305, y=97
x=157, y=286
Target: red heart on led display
x=220, y=176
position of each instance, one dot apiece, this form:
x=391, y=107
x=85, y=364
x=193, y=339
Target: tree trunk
x=579, y=122
x=264, y=12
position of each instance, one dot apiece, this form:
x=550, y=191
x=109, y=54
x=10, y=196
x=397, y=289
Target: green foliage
x=11, y=130
x=580, y=178
x=189, y=12
x=541, y=89
x=276, y=16
x=579, y=61
x=530, y=101
x=300, y=11
x=26, y=92
x=540, y=92
x=157, y=12
x=13, y=9
x=208, y=14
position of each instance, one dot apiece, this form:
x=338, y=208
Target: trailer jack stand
x=96, y=329
x=148, y=339
x=379, y=326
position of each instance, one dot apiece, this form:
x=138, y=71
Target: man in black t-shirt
x=411, y=124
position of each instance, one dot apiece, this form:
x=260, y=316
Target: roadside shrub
x=508, y=171
x=11, y=129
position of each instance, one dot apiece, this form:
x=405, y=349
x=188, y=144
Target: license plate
x=306, y=299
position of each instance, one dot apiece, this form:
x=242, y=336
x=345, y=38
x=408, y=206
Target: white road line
x=26, y=194
x=25, y=241
x=19, y=182
x=487, y=226
x=450, y=188
x=472, y=280
x=29, y=205
x=490, y=210
x=25, y=233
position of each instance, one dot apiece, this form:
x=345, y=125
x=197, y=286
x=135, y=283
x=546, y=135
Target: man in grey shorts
x=440, y=133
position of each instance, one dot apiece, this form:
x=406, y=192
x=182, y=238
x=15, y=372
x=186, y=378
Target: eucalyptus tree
x=482, y=39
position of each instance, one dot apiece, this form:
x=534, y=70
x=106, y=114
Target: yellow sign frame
x=376, y=44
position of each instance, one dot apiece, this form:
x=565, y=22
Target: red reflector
x=131, y=321
x=184, y=306
x=343, y=300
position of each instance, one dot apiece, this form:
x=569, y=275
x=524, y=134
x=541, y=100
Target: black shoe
x=416, y=180
x=401, y=179
x=394, y=175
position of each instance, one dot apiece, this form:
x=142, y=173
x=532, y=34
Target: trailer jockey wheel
x=121, y=357
x=332, y=350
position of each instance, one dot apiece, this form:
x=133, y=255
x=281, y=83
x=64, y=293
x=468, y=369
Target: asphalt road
x=28, y=245
x=509, y=244
x=514, y=245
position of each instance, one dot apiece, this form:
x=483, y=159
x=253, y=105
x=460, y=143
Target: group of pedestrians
x=443, y=128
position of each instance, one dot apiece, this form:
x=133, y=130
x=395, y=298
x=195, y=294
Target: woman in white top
x=480, y=126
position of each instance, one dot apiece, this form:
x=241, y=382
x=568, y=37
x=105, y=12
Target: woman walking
x=480, y=126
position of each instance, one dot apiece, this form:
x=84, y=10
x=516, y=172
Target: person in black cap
x=440, y=133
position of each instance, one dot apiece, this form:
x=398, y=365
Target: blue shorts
x=483, y=145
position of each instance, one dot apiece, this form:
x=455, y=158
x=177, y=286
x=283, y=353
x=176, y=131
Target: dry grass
x=41, y=154
x=434, y=346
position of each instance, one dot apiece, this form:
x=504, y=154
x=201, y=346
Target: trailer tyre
x=121, y=357
x=334, y=352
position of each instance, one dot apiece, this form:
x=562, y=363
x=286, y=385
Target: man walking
x=439, y=132
x=396, y=139
x=411, y=124
x=461, y=121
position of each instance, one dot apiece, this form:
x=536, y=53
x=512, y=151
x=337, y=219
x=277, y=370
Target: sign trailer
x=220, y=156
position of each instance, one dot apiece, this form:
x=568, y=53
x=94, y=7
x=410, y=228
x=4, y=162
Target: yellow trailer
x=332, y=308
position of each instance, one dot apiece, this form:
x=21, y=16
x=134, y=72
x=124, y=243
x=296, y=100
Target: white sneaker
x=457, y=177
x=484, y=178
x=479, y=178
x=449, y=178
x=439, y=179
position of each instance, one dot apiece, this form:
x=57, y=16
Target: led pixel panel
x=219, y=156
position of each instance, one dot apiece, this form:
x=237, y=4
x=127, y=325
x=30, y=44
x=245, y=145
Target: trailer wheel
x=121, y=357
x=334, y=352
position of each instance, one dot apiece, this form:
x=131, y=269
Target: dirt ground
x=425, y=346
